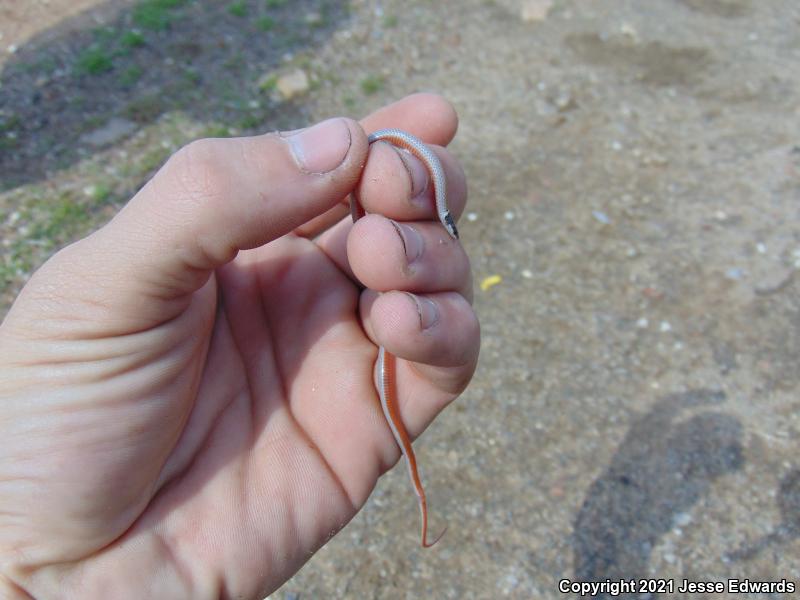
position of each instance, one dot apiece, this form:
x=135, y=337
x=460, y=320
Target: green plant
x=250, y=121
x=372, y=84
x=216, y=131
x=132, y=39
x=275, y=3
x=130, y=76
x=144, y=108
x=238, y=8
x=99, y=192
x=269, y=84
x=94, y=60
x=155, y=14
x=265, y=23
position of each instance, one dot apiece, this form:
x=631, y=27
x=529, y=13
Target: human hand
x=189, y=408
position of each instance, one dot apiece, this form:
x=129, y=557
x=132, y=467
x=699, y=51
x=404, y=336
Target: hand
x=188, y=400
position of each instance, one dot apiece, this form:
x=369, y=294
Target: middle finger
x=417, y=256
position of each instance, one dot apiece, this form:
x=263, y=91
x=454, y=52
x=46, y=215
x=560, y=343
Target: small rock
x=113, y=131
x=627, y=29
x=642, y=323
x=535, y=10
x=734, y=274
x=527, y=274
x=509, y=215
x=601, y=216
x=773, y=280
x=471, y=216
x=665, y=327
x=293, y=84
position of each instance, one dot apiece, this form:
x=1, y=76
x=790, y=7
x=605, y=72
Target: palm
x=255, y=402
x=284, y=407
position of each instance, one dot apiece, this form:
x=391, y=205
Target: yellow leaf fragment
x=490, y=281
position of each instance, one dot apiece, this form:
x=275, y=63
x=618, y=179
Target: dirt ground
x=634, y=173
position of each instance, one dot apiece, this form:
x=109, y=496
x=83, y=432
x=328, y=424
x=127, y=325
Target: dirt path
x=635, y=183
x=21, y=21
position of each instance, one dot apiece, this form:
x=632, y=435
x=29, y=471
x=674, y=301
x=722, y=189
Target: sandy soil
x=635, y=181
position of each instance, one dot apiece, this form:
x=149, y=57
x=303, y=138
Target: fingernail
x=426, y=309
x=413, y=245
x=321, y=148
x=416, y=171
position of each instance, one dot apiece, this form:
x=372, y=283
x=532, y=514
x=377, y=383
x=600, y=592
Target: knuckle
x=199, y=168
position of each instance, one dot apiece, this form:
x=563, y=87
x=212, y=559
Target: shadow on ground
x=94, y=79
x=660, y=471
x=788, y=499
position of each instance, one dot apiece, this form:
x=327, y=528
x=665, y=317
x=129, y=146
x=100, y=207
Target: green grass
x=192, y=77
x=216, y=131
x=150, y=161
x=390, y=21
x=94, y=61
x=57, y=220
x=9, y=123
x=144, y=109
x=372, y=84
x=238, y=9
x=99, y=192
x=269, y=84
x=130, y=76
x=275, y=3
x=155, y=14
x=349, y=102
x=251, y=121
x=265, y=23
x=132, y=39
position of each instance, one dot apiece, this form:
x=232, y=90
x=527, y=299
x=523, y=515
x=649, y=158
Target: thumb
x=218, y=196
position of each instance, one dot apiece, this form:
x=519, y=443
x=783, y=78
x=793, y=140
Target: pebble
x=642, y=323
x=601, y=216
x=773, y=280
x=629, y=30
x=665, y=327
x=761, y=248
x=535, y=10
x=527, y=274
x=734, y=273
x=293, y=84
x=471, y=216
x=509, y=215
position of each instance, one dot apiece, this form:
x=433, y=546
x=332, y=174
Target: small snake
x=385, y=367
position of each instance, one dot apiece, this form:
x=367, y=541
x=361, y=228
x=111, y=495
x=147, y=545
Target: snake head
x=450, y=225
